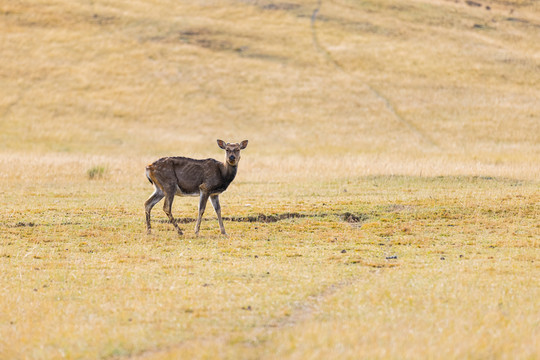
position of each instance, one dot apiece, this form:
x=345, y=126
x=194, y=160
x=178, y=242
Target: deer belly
x=180, y=192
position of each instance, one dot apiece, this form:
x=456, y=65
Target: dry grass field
x=387, y=206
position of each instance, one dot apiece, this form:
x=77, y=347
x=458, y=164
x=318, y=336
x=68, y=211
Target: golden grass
x=402, y=138
x=436, y=267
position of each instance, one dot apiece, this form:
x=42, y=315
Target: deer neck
x=229, y=171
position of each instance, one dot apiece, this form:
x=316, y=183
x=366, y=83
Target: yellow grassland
x=387, y=206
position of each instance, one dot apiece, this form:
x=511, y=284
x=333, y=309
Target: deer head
x=232, y=151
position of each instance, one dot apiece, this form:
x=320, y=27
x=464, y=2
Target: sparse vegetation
x=388, y=205
x=96, y=172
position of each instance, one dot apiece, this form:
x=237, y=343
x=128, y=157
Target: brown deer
x=189, y=177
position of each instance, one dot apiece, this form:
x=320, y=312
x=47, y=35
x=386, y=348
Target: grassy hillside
x=387, y=205
x=412, y=87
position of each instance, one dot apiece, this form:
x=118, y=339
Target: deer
x=182, y=176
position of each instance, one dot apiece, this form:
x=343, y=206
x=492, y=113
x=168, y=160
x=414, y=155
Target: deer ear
x=221, y=144
x=243, y=144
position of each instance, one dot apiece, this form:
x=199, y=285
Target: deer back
x=191, y=175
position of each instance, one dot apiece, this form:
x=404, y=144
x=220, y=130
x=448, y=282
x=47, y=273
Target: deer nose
x=232, y=158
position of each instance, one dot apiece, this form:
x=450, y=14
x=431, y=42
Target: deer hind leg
x=149, y=204
x=202, y=206
x=217, y=207
x=167, y=207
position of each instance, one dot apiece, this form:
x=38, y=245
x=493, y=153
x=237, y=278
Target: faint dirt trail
x=387, y=103
x=304, y=310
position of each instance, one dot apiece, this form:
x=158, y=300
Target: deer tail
x=148, y=175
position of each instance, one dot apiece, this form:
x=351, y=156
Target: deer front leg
x=167, y=207
x=217, y=207
x=202, y=206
